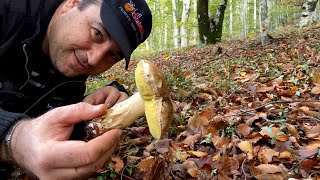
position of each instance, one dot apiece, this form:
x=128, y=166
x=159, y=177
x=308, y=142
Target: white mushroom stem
x=119, y=116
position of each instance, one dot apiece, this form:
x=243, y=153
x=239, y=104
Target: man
x=48, y=48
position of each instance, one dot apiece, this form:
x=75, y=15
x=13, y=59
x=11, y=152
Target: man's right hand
x=42, y=145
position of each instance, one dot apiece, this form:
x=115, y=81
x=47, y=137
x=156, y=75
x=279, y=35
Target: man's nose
x=98, y=53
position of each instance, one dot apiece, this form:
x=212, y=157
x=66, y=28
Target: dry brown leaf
x=191, y=139
x=293, y=131
x=197, y=153
x=244, y=129
x=198, y=121
x=308, y=151
x=146, y=163
x=310, y=113
x=316, y=76
x=285, y=154
x=247, y=148
x=312, y=131
x=315, y=90
x=276, y=176
x=216, y=157
x=192, y=168
x=194, y=172
x=219, y=142
x=266, y=88
x=182, y=156
x=266, y=154
x=276, y=132
x=269, y=168
x=117, y=163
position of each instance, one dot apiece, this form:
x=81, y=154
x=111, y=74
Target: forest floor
x=242, y=111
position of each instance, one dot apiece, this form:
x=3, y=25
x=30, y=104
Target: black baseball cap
x=128, y=22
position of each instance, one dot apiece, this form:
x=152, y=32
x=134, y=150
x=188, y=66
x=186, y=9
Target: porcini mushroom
x=152, y=100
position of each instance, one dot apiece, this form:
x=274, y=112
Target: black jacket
x=29, y=85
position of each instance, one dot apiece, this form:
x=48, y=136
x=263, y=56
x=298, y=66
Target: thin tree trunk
x=231, y=19
x=203, y=21
x=176, y=35
x=264, y=23
x=255, y=12
x=184, y=20
x=218, y=21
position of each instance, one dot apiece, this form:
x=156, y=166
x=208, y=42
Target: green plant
x=109, y=173
x=229, y=131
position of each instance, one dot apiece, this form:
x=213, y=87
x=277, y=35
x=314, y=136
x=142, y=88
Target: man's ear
x=69, y=4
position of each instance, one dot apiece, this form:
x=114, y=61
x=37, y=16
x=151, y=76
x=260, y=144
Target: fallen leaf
x=315, y=90
x=194, y=172
x=146, y=163
x=247, y=148
x=266, y=154
x=244, y=129
x=285, y=154
x=292, y=130
x=269, y=168
x=117, y=163
x=197, y=153
x=310, y=113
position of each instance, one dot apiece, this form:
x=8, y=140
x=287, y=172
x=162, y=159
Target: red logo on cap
x=131, y=9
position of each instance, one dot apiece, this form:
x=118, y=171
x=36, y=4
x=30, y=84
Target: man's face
x=77, y=42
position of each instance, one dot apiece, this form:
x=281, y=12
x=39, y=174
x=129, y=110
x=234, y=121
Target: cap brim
x=113, y=26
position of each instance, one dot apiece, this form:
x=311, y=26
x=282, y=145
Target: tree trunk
x=176, y=34
x=218, y=21
x=255, y=12
x=184, y=20
x=231, y=19
x=264, y=23
x=203, y=21
x=308, y=8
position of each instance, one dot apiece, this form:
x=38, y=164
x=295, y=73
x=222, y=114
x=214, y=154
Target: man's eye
x=115, y=57
x=97, y=33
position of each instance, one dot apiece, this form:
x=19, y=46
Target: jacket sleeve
x=7, y=119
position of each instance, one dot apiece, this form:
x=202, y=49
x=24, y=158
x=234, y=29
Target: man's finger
x=76, y=113
x=68, y=154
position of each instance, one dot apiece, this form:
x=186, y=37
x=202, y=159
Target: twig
x=304, y=158
x=122, y=175
x=245, y=175
x=302, y=118
x=174, y=177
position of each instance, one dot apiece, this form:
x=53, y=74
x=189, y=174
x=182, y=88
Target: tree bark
x=218, y=21
x=264, y=23
x=184, y=20
x=203, y=21
x=176, y=34
x=308, y=9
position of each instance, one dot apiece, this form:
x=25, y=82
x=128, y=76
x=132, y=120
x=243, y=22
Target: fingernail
x=99, y=107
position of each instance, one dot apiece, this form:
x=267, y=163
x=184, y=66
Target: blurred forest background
x=176, y=23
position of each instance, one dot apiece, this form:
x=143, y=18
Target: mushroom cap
x=153, y=89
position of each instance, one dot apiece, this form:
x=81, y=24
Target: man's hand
x=107, y=95
x=41, y=145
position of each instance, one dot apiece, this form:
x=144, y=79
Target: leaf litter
x=242, y=111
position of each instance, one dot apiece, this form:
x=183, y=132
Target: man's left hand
x=107, y=95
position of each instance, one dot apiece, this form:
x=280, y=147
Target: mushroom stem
x=120, y=116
